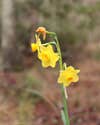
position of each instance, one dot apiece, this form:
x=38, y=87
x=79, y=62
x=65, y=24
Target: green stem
x=52, y=43
x=64, y=111
x=62, y=87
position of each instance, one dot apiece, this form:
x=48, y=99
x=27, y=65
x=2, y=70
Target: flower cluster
x=49, y=57
x=45, y=52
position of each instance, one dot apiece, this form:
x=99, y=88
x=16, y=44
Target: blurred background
x=29, y=94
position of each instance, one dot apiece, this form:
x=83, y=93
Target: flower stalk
x=64, y=110
x=48, y=58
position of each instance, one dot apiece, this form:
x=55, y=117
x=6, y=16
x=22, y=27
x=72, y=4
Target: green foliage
x=96, y=54
x=89, y=9
x=72, y=21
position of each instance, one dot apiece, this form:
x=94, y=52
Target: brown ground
x=19, y=106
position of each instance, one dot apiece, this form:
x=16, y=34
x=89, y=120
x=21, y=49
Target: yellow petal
x=54, y=60
x=67, y=84
x=45, y=64
x=34, y=47
x=77, y=70
x=76, y=78
x=61, y=77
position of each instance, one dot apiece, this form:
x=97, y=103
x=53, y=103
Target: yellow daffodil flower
x=41, y=30
x=35, y=46
x=48, y=56
x=69, y=75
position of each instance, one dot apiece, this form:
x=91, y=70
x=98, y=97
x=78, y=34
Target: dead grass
x=84, y=98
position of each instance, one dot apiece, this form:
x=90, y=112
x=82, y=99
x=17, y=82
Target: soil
x=83, y=97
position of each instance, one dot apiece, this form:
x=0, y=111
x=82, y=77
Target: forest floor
x=33, y=97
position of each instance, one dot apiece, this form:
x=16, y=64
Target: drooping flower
x=48, y=56
x=69, y=75
x=35, y=46
x=41, y=30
